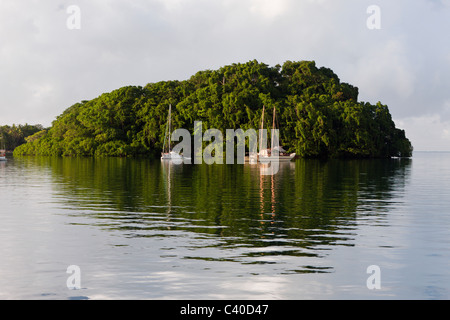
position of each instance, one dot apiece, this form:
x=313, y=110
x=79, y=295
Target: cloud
x=269, y=9
x=427, y=133
x=386, y=72
x=45, y=67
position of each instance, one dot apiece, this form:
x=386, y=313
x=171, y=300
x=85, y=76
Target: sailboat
x=2, y=149
x=264, y=154
x=167, y=153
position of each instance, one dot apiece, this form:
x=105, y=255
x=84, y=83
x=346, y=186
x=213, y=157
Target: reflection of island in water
x=304, y=210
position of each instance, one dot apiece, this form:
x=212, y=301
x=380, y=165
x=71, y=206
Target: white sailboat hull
x=171, y=156
x=266, y=159
x=280, y=158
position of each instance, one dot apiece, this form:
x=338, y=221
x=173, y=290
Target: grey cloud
x=44, y=67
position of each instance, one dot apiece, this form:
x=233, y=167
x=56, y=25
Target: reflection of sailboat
x=166, y=169
x=264, y=154
x=269, y=191
x=2, y=149
x=263, y=200
x=167, y=153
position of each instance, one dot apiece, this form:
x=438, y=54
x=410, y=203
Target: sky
x=56, y=53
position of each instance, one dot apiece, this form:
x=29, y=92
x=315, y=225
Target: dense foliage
x=318, y=116
x=16, y=135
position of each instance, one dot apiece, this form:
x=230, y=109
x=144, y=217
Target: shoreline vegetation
x=16, y=135
x=318, y=115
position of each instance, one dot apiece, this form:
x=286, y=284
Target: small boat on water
x=167, y=153
x=171, y=156
x=264, y=155
x=282, y=155
x=2, y=149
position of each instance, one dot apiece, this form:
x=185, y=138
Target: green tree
x=317, y=114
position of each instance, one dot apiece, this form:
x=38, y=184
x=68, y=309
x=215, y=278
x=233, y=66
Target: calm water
x=141, y=229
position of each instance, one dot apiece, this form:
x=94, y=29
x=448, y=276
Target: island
x=318, y=116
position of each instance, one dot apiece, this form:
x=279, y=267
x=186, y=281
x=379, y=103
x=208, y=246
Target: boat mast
x=273, y=128
x=170, y=129
x=167, y=134
x=261, y=132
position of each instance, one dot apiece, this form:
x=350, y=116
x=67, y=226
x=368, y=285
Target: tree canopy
x=317, y=114
x=16, y=135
